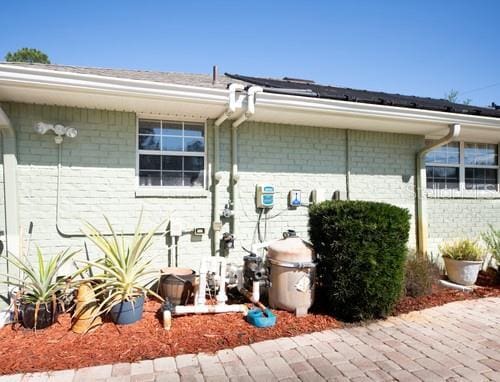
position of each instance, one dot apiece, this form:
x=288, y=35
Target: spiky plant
x=39, y=284
x=124, y=270
x=463, y=249
x=492, y=240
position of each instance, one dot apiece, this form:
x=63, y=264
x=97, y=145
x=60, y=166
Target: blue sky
x=411, y=47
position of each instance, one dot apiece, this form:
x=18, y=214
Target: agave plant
x=492, y=240
x=124, y=270
x=39, y=284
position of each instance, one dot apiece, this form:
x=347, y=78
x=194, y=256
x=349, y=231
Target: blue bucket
x=128, y=312
x=261, y=319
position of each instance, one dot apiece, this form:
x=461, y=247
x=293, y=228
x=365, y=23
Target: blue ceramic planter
x=128, y=312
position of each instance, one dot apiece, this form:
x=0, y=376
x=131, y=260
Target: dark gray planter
x=128, y=312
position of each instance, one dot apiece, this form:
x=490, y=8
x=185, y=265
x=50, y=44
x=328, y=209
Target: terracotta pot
x=462, y=272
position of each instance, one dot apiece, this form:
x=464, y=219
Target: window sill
x=467, y=194
x=153, y=192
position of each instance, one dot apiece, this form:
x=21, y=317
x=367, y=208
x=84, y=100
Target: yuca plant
x=40, y=290
x=463, y=249
x=124, y=271
x=492, y=241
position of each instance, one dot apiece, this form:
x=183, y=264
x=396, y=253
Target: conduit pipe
x=233, y=104
x=235, y=177
x=454, y=132
x=9, y=153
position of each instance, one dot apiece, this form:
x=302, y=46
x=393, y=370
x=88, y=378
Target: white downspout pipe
x=231, y=109
x=9, y=152
x=422, y=233
x=235, y=177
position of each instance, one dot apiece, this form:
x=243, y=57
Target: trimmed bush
x=361, y=248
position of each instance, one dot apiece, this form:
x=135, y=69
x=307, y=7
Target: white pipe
x=235, y=177
x=255, y=292
x=221, y=270
x=421, y=185
x=9, y=153
x=201, y=309
x=203, y=284
x=232, y=105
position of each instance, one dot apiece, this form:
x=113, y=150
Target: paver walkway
x=456, y=342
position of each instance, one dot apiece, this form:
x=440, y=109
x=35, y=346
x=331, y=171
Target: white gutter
x=9, y=152
x=421, y=185
x=233, y=104
x=235, y=177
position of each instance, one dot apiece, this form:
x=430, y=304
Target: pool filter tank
x=292, y=272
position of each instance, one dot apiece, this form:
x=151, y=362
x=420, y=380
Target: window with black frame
x=171, y=153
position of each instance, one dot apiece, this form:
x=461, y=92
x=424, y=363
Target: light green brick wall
x=451, y=219
x=98, y=177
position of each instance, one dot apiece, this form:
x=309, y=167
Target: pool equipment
x=261, y=319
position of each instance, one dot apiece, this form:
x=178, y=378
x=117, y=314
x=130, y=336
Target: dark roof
x=190, y=79
x=308, y=88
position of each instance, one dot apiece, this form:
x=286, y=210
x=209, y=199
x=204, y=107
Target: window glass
x=194, y=144
x=447, y=154
x=150, y=178
x=171, y=143
x=482, y=154
x=172, y=128
x=193, y=178
x=149, y=142
x=171, y=162
x=481, y=179
x=193, y=163
x=442, y=177
x=150, y=162
x=194, y=130
x=171, y=178
x=149, y=127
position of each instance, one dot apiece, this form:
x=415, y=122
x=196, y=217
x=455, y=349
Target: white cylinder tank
x=292, y=274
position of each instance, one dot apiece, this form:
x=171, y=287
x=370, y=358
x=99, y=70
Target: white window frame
x=461, y=172
x=173, y=153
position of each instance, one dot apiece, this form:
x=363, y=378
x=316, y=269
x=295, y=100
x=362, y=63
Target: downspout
x=235, y=177
x=231, y=109
x=10, y=184
x=422, y=186
x=348, y=164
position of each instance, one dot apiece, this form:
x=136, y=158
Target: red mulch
x=57, y=348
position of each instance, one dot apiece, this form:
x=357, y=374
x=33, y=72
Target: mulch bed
x=57, y=348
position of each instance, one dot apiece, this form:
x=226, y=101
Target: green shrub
x=361, y=249
x=463, y=249
x=421, y=273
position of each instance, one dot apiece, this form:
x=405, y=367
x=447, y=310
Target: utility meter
x=264, y=196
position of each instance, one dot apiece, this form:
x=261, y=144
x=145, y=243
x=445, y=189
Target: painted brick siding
x=451, y=219
x=98, y=177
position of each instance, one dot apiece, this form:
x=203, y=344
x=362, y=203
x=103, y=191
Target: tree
x=30, y=55
x=452, y=96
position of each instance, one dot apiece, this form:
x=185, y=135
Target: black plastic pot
x=46, y=315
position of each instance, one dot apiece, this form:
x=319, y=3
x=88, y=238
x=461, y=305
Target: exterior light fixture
x=59, y=130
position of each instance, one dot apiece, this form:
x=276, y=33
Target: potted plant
x=492, y=240
x=124, y=272
x=463, y=260
x=40, y=289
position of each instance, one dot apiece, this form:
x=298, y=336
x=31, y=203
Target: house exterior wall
x=98, y=178
x=454, y=218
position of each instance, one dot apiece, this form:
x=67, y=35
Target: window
x=463, y=166
x=171, y=154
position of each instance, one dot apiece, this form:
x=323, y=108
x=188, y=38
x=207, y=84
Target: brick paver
x=454, y=342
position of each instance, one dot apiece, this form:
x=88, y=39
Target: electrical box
x=199, y=231
x=264, y=196
x=317, y=196
x=294, y=198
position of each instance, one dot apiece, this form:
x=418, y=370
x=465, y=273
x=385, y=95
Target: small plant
x=464, y=250
x=421, y=274
x=124, y=270
x=40, y=288
x=492, y=240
